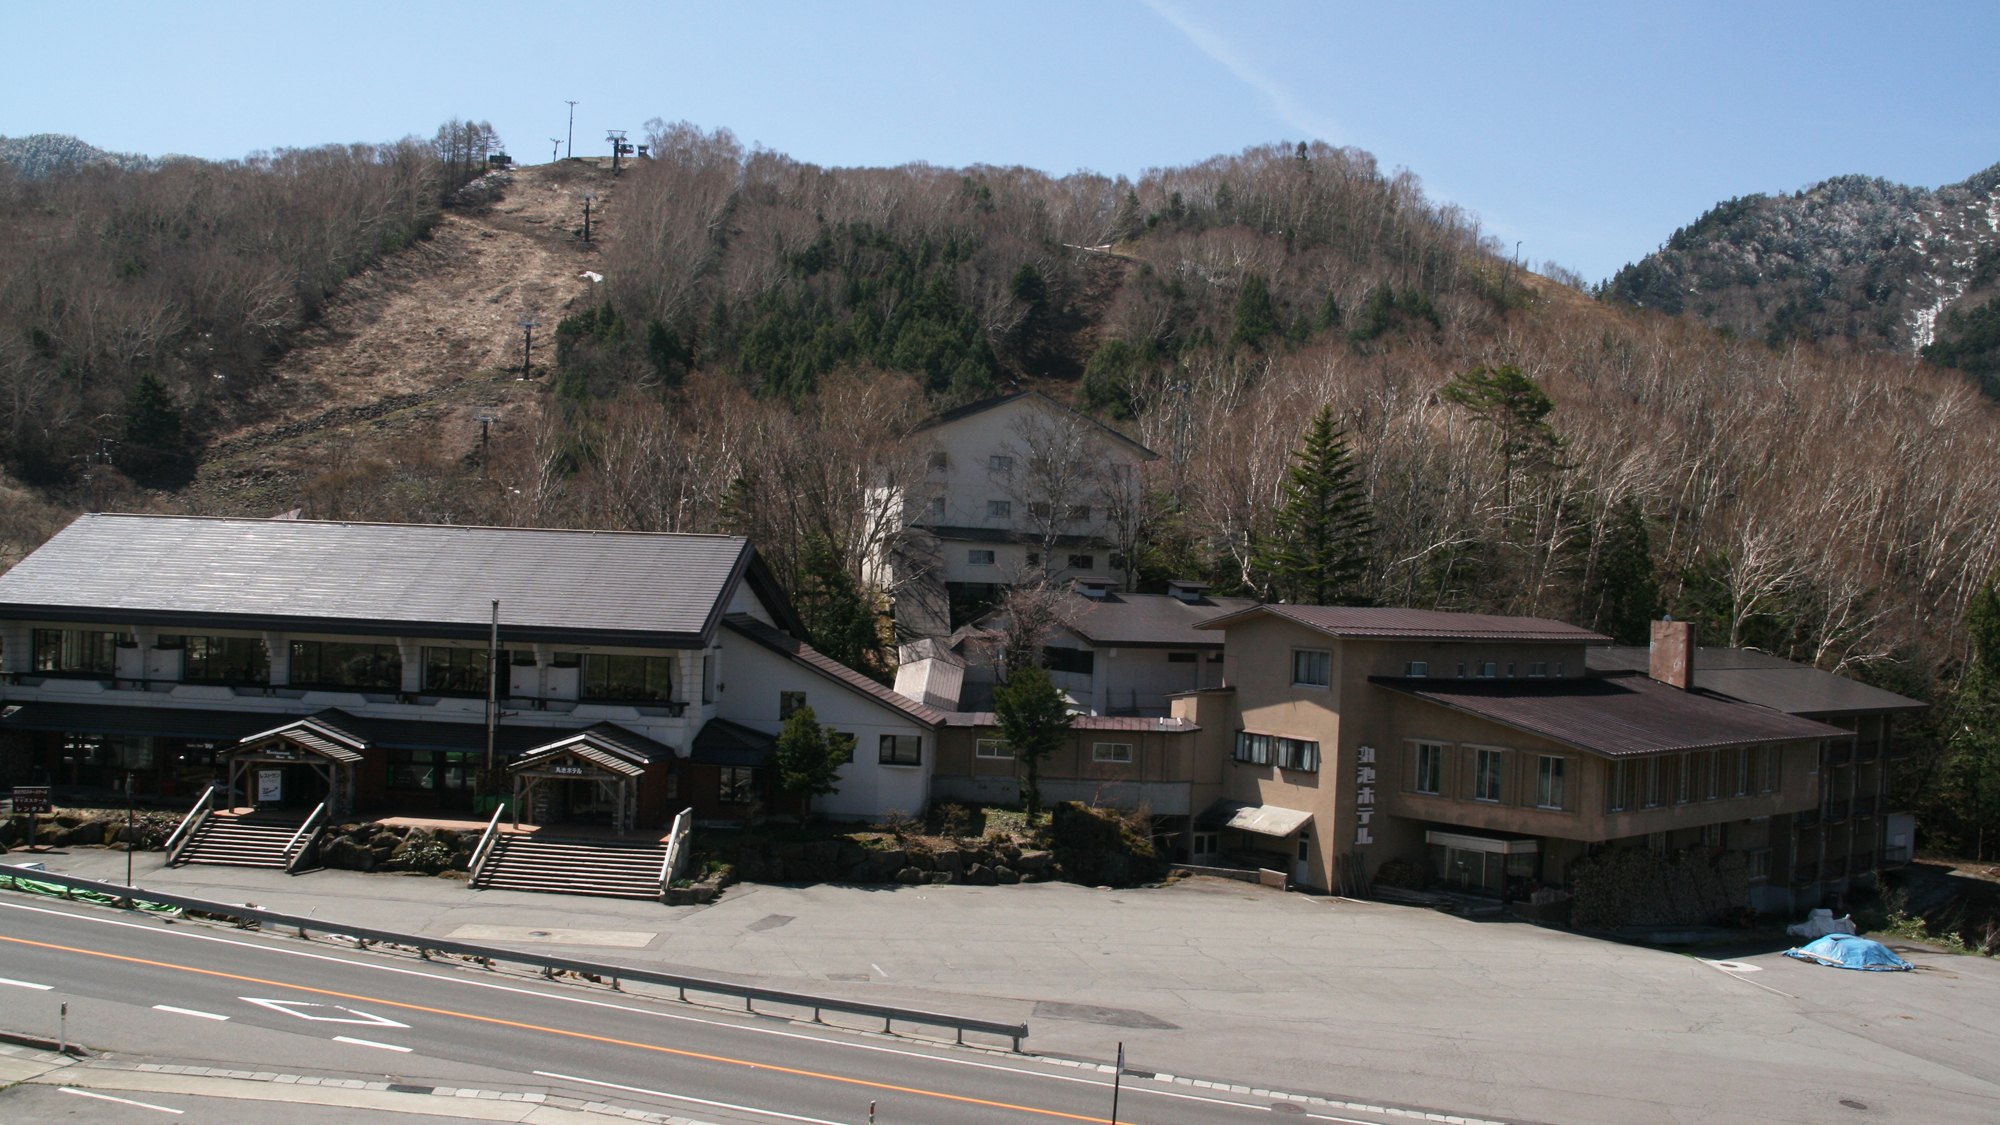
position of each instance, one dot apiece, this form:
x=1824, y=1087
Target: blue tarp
x=1845, y=951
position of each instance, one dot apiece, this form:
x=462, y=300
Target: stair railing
x=676, y=857
x=484, y=851
x=189, y=823
x=292, y=858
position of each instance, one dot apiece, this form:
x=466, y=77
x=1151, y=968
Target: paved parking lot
x=1218, y=979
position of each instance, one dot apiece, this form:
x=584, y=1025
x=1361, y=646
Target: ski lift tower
x=528, y=325
x=616, y=139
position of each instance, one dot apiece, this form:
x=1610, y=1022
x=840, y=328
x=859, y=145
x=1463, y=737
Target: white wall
x=752, y=678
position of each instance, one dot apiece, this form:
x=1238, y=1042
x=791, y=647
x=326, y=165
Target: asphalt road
x=141, y=985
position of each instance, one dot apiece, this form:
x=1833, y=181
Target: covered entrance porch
x=1504, y=867
x=298, y=765
x=593, y=777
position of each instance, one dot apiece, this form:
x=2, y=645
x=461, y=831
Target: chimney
x=1673, y=653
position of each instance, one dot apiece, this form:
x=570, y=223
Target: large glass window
x=76, y=650
x=1549, y=782
x=222, y=660
x=1311, y=667
x=1487, y=771
x=440, y=771
x=346, y=664
x=457, y=670
x=639, y=678
x=1430, y=768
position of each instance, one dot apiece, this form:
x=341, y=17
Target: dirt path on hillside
x=421, y=344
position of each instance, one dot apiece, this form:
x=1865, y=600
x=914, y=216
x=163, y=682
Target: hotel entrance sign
x=1364, y=795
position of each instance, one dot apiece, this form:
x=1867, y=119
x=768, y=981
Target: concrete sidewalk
x=1219, y=979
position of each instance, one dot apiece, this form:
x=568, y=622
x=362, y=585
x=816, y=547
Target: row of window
x=1003, y=464
x=1702, y=775
x=1487, y=670
x=350, y=664
x=1430, y=770
x=1116, y=752
x=984, y=556
x=1271, y=749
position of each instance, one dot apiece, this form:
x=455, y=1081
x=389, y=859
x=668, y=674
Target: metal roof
x=1615, y=715
x=804, y=654
x=1368, y=622
x=1135, y=723
x=320, y=740
x=1152, y=621
x=186, y=572
x=1264, y=820
x=723, y=743
x=969, y=409
x=628, y=746
x=159, y=722
x=1766, y=680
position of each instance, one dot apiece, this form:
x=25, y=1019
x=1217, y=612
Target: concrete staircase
x=520, y=862
x=236, y=841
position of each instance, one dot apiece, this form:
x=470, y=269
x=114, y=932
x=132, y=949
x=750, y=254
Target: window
x=1616, y=789
x=1115, y=514
x=1253, y=748
x=1180, y=658
x=999, y=509
x=1510, y=671
x=637, y=678
x=1297, y=754
x=902, y=750
x=1760, y=863
x=788, y=702
x=1486, y=766
x=1039, y=511
x=1711, y=835
x=992, y=748
x=979, y=558
x=1539, y=668
x=1082, y=562
x=708, y=679
x=1461, y=671
x=461, y=670
x=1417, y=669
x=1076, y=661
x=939, y=461
x=1312, y=668
x=1686, y=787
x=1559, y=667
x=441, y=771
x=1430, y=768
x=1079, y=512
x=346, y=664
x=738, y=784
x=1650, y=782
x=936, y=510
x=1771, y=764
x=1000, y=464
x=76, y=650
x=1489, y=671
x=1206, y=843
x=1741, y=772
x=1710, y=779
x=1549, y=782
x=1111, y=752
x=223, y=660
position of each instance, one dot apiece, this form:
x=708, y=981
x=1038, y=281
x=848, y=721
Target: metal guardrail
x=189, y=823
x=484, y=851
x=615, y=973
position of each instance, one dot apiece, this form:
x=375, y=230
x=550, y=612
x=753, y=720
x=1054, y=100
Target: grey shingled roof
x=1417, y=624
x=1153, y=621
x=802, y=653
x=385, y=579
x=1616, y=715
x=1766, y=680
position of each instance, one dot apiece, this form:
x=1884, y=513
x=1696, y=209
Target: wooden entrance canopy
x=328, y=752
x=614, y=759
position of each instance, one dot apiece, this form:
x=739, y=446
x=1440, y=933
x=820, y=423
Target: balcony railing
x=1834, y=810
x=1806, y=819
x=1867, y=752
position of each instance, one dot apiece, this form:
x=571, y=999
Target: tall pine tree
x=1318, y=553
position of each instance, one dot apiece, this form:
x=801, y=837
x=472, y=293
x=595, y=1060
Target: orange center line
x=571, y=1034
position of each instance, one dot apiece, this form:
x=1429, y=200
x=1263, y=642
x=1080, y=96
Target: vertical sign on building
x=1364, y=795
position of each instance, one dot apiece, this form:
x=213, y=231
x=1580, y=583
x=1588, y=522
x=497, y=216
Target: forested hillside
x=1853, y=258
x=45, y=154
x=767, y=332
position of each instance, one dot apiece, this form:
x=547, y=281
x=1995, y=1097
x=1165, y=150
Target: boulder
x=981, y=875
x=1033, y=861
x=911, y=875
x=448, y=838
x=1006, y=876
x=343, y=854
x=894, y=859
x=821, y=851
x=953, y=862
x=923, y=861
x=943, y=877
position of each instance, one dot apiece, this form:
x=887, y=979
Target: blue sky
x=1588, y=132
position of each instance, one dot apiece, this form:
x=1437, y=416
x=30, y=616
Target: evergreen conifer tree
x=809, y=756
x=840, y=619
x=1033, y=717
x=1623, y=595
x=1255, y=318
x=1318, y=553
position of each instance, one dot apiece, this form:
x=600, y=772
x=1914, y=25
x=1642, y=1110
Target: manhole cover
x=1287, y=1107
x=1852, y=1104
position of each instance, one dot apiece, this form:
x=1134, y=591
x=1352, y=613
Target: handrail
x=615, y=973
x=290, y=859
x=189, y=823
x=676, y=841
x=485, y=848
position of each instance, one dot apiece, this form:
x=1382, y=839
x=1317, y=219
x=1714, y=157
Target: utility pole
x=128, y=828
x=572, y=128
x=528, y=325
x=588, y=199
x=1117, y=1080
x=556, y=152
x=492, y=691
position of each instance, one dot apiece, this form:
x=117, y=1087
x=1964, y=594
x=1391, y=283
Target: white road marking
x=187, y=1012
x=120, y=1101
x=877, y=968
x=588, y=1002
x=685, y=1098
x=291, y=1008
x=370, y=1043
x=27, y=984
